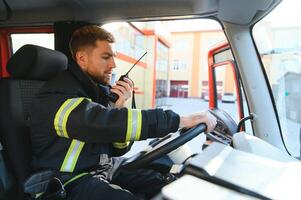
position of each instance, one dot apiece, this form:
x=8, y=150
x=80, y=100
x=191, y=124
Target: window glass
x=278, y=39
x=226, y=91
x=129, y=40
x=161, y=74
x=248, y=123
x=226, y=88
x=174, y=73
x=40, y=39
x=223, y=56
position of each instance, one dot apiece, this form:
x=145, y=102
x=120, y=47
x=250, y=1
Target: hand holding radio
x=123, y=89
x=123, y=85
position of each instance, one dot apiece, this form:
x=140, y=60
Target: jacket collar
x=96, y=91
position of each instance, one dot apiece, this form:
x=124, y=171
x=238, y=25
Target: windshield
x=278, y=39
x=174, y=73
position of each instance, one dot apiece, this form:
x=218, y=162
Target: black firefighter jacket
x=72, y=125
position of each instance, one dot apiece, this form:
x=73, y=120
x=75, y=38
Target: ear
x=82, y=59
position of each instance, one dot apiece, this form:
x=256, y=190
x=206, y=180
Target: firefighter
x=77, y=131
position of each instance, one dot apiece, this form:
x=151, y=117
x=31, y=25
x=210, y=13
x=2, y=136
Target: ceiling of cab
x=47, y=11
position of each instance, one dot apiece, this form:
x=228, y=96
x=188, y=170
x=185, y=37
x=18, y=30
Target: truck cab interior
x=235, y=163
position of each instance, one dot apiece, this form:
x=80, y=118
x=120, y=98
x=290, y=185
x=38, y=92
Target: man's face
x=98, y=62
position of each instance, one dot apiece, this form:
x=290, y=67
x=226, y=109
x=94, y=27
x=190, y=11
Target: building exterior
x=292, y=96
x=189, y=71
x=175, y=64
x=151, y=73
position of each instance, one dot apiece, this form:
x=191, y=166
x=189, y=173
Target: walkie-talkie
x=113, y=96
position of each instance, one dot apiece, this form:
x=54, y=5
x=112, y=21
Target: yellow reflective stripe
x=38, y=195
x=57, y=125
x=61, y=117
x=73, y=105
x=72, y=155
x=121, y=145
x=75, y=177
x=139, y=125
x=134, y=125
x=129, y=127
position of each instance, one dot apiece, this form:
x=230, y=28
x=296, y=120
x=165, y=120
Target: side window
x=278, y=40
x=40, y=39
x=226, y=91
x=229, y=94
x=161, y=74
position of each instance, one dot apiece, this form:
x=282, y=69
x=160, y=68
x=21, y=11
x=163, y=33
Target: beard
x=104, y=79
x=99, y=79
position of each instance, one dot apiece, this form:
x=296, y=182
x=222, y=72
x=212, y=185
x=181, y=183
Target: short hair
x=87, y=36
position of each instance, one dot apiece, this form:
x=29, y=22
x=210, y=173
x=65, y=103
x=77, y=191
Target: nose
x=112, y=63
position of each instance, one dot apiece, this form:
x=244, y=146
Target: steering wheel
x=161, y=146
x=225, y=128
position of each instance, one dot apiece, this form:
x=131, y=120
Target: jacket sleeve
x=120, y=148
x=82, y=119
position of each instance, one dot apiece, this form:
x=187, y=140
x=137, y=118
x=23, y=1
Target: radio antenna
x=136, y=63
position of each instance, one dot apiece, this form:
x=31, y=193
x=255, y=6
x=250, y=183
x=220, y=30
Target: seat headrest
x=36, y=63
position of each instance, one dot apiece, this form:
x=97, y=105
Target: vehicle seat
x=29, y=68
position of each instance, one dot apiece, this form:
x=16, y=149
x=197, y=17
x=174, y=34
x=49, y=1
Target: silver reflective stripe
x=134, y=125
x=72, y=156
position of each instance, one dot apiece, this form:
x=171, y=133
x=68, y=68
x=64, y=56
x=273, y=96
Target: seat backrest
x=29, y=68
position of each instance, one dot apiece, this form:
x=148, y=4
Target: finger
x=129, y=81
x=125, y=94
x=118, y=92
x=209, y=123
x=124, y=84
x=120, y=88
x=210, y=127
x=212, y=124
